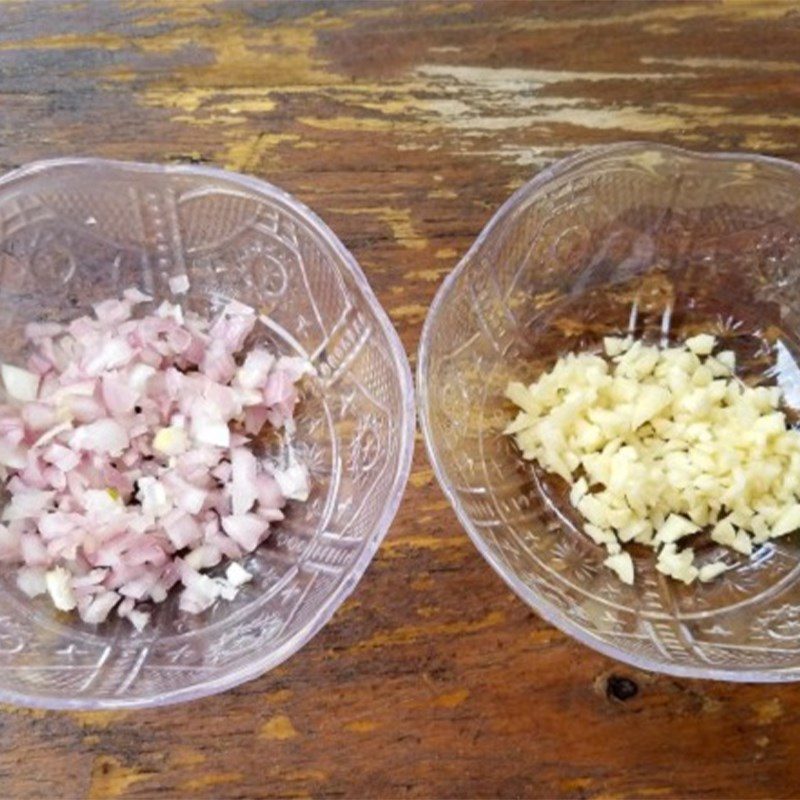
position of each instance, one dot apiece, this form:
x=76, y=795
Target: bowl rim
x=402, y=469
x=539, y=604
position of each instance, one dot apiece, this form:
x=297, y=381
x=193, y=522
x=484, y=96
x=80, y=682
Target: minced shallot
x=126, y=455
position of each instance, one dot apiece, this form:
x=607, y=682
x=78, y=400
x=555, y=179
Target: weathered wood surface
x=404, y=126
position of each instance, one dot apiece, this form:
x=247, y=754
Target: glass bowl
x=76, y=231
x=633, y=237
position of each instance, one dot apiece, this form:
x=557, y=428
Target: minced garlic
x=658, y=444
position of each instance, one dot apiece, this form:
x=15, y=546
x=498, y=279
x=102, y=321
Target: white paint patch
x=480, y=100
x=480, y=103
x=507, y=79
x=632, y=119
x=723, y=63
x=538, y=157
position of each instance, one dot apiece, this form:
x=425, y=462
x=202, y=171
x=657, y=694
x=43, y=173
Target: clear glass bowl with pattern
x=632, y=237
x=75, y=231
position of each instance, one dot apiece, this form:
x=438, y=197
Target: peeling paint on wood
x=405, y=125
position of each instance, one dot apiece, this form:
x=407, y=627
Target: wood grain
x=404, y=125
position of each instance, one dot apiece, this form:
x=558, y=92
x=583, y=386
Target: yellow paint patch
x=188, y=100
x=349, y=606
x=178, y=13
x=192, y=99
x=211, y=779
x=716, y=62
x=18, y=711
x=421, y=477
x=398, y=220
x=449, y=8
x=575, y=785
x=102, y=40
x=410, y=634
x=185, y=757
x=241, y=59
x=305, y=775
x=91, y=740
x=762, y=741
x=281, y=696
x=451, y=699
x=436, y=505
x=545, y=635
x=661, y=29
x=349, y=124
x=430, y=275
x=120, y=74
x=361, y=726
x=422, y=583
x=423, y=543
x=110, y=778
x=255, y=105
x=212, y=120
x=446, y=252
x=671, y=14
x=98, y=719
x=768, y=711
x=247, y=154
x=278, y=728
x=402, y=106
x=243, y=54
x=442, y=194
x=410, y=312
x=758, y=140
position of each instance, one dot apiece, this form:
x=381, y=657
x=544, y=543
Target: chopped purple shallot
x=126, y=452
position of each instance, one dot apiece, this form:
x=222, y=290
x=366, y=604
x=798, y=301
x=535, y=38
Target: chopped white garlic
x=179, y=284
x=702, y=344
x=293, y=481
x=20, y=383
x=659, y=443
x=59, y=587
x=711, y=571
x=616, y=346
x=32, y=581
x=676, y=527
x=678, y=565
x=622, y=564
x=788, y=521
x=171, y=441
x=237, y=575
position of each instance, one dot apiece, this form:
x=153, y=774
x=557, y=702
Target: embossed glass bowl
x=73, y=232
x=635, y=236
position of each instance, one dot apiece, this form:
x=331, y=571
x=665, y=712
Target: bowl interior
x=75, y=232
x=635, y=238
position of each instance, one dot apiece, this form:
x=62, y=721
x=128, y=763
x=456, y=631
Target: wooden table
x=405, y=126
